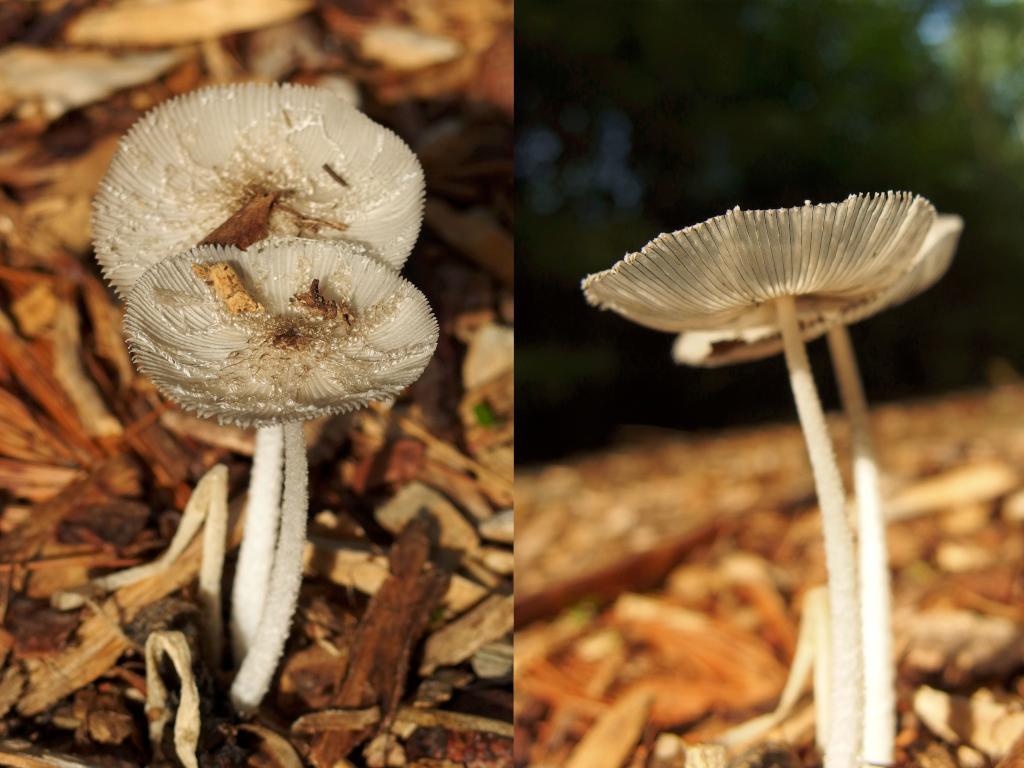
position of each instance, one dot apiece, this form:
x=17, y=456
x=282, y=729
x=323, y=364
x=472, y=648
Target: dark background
x=638, y=118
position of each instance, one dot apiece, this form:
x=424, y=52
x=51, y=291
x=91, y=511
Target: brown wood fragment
x=614, y=736
x=107, y=340
x=459, y=640
x=118, y=476
x=37, y=379
x=66, y=341
x=227, y=286
x=336, y=720
x=327, y=308
x=435, y=745
x=497, y=487
x=395, y=619
x=248, y=225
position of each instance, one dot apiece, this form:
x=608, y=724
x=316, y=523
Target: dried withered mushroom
x=287, y=330
x=236, y=163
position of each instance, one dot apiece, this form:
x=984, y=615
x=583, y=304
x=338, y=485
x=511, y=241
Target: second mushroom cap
x=289, y=329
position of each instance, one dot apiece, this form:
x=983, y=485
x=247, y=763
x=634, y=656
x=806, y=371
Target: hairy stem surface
x=875, y=589
x=842, y=739
x=257, y=670
x=256, y=555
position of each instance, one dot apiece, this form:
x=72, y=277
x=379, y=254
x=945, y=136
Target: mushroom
x=233, y=164
x=746, y=270
x=287, y=330
x=722, y=346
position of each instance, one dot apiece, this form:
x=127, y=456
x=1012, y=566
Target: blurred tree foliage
x=640, y=117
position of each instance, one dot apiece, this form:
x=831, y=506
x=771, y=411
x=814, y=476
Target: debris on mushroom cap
x=724, y=346
x=232, y=164
x=725, y=272
x=226, y=283
x=334, y=330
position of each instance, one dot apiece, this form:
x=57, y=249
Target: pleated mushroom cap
x=286, y=330
x=726, y=271
x=190, y=164
x=723, y=346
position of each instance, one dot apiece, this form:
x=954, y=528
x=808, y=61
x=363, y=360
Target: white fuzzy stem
x=256, y=555
x=875, y=589
x=845, y=705
x=253, y=679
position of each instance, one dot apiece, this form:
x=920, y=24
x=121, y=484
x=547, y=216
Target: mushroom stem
x=253, y=679
x=263, y=511
x=875, y=589
x=845, y=706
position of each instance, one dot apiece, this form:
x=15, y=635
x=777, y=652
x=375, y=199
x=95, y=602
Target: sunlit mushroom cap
x=191, y=163
x=726, y=345
x=725, y=272
x=288, y=329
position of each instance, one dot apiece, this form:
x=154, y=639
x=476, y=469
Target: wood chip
x=983, y=721
x=170, y=22
x=364, y=571
x=393, y=623
x=454, y=531
x=977, y=482
x=46, y=83
x=227, y=286
x=406, y=48
x=613, y=737
x=459, y=640
x=336, y=720
x=92, y=411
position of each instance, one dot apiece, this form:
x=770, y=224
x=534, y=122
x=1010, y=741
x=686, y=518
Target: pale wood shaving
x=613, y=737
x=187, y=724
x=457, y=641
x=227, y=286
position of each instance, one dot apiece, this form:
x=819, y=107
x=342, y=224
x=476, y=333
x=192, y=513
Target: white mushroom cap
x=725, y=345
x=191, y=163
x=725, y=272
x=277, y=359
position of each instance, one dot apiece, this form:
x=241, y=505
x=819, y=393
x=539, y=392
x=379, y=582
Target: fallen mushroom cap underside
x=725, y=271
x=191, y=163
x=724, y=346
x=304, y=329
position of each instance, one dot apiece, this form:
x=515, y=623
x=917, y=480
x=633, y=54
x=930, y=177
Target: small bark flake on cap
x=248, y=225
x=328, y=308
x=227, y=286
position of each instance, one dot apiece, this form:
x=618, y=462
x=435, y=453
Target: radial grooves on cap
x=715, y=273
x=190, y=163
x=723, y=346
x=230, y=366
